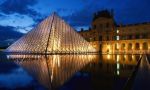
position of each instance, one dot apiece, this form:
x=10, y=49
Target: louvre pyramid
x=52, y=35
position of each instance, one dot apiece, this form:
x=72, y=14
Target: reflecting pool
x=66, y=72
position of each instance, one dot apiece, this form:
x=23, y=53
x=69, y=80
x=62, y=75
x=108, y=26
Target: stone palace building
x=108, y=37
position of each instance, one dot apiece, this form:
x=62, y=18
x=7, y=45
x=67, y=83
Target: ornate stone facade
x=108, y=37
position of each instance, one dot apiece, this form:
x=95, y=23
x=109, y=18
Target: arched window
x=137, y=46
x=130, y=46
x=145, y=46
x=123, y=46
x=107, y=25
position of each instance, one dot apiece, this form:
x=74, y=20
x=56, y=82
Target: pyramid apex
x=54, y=13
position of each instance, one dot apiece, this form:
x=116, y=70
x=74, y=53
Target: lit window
x=117, y=37
x=117, y=46
x=118, y=72
x=117, y=31
x=118, y=66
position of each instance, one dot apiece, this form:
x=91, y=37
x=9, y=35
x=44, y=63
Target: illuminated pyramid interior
x=52, y=35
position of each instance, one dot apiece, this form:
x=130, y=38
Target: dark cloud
x=17, y=6
x=8, y=32
x=128, y=11
x=38, y=19
x=78, y=19
x=83, y=17
x=20, y=7
x=1, y=15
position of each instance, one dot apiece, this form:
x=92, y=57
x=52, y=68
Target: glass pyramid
x=52, y=35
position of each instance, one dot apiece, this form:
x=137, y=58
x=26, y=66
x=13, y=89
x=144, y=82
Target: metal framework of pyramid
x=52, y=35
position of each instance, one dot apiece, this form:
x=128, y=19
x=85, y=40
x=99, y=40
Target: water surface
x=66, y=72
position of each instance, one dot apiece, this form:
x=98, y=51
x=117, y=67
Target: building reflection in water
x=110, y=72
x=52, y=71
x=123, y=62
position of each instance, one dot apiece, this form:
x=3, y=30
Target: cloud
x=17, y=6
x=83, y=17
x=128, y=11
x=1, y=15
x=64, y=11
x=9, y=32
x=16, y=20
x=135, y=11
x=23, y=7
x=16, y=17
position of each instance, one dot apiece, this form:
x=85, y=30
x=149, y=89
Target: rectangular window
x=94, y=26
x=107, y=25
x=100, y=26
x=117, y=31
x=145, y=36
x=100, y=38
x=137, y=36
x=130, y=36
x=107, y=38
x=117, y=38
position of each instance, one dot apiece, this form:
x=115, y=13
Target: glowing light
x=118, y=57
x=108, y=47
x=118, y=72
x=118, y=38
x=117, y=31
x=108, y=56
x=140, y=47
x=117, y=45
x=125, y=56
x=133, y=47
x=118, y=66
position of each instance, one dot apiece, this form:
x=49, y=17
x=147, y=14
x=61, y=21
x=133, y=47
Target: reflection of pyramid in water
x=52, y=35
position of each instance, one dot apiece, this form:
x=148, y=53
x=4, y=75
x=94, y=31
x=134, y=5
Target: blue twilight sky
x=20, y=16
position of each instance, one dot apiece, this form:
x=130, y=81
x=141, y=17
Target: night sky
x=20, y=16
